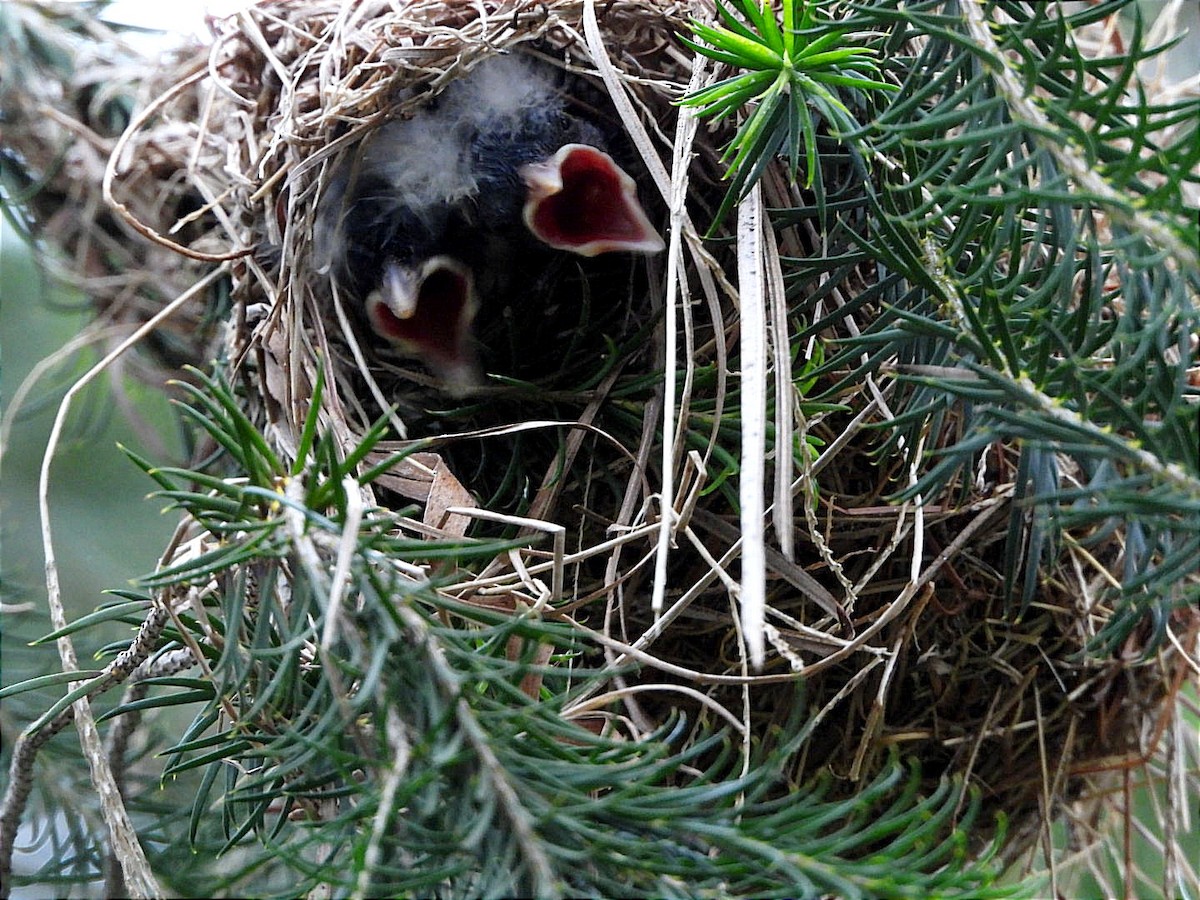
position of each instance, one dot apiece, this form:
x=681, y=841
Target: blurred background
x=106, y=531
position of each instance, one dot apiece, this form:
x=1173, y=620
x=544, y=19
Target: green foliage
x=1037, y=286
x=1038, y=267
x=389, y=726
x=791, y=70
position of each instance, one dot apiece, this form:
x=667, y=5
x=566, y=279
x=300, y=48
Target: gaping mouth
x=427, y=312
x=581, y=200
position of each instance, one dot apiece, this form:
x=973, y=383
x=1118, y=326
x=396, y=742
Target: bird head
x=427, y=311
x=466, y=205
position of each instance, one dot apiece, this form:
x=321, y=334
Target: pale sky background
x=183, y=16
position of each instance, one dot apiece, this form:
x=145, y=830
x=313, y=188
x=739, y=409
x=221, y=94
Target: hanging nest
x=896, y=619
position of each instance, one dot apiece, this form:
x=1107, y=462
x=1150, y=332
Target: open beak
x=427, y=312
x=581, y=200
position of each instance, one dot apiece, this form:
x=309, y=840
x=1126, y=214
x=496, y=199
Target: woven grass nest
x=894, y=619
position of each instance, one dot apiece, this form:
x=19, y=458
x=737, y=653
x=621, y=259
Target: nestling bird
x=466, y=203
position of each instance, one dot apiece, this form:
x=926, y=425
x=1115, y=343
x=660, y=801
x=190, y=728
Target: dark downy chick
x=466, y=203
x=383, y=231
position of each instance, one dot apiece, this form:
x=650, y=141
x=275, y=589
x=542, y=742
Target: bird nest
x=893, y=617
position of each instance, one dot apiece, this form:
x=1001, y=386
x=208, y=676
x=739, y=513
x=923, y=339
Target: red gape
x=580, y=200
x=429, y=314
